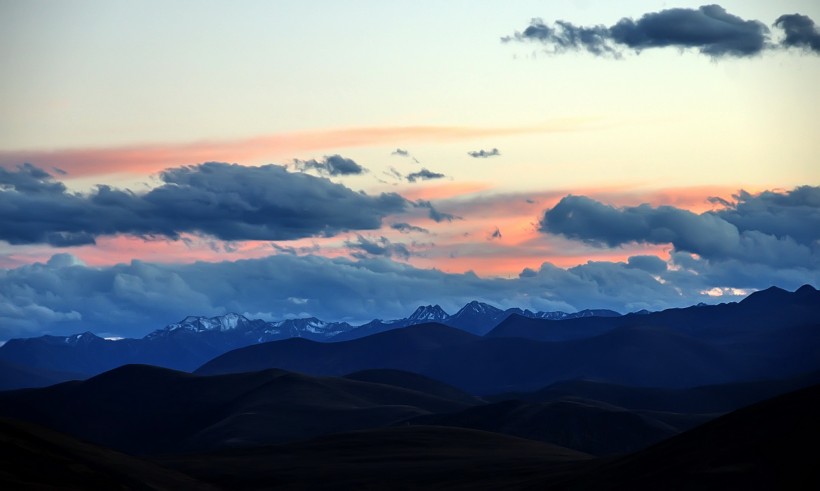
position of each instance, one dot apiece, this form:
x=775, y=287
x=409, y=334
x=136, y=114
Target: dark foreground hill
x=416, y=457
x=707, y=399
x=150, y=410
x=770, y=445
x=33, y=457
x=587, y=426
x=147, y=410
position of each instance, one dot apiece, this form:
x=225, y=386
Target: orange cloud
x=151, y=158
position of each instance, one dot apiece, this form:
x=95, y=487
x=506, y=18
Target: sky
x=353, y=160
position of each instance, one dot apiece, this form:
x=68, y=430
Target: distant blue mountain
x=772, y=333
x=187, y=344
x=774, y=319
x=475, y=317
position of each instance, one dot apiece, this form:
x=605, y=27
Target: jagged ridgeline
x=730, y=339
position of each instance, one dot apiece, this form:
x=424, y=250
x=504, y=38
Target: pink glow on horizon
x=439, y=191
x=511, y=266
x=151, y=158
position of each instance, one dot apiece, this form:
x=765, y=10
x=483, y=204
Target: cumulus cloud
x=483, y=154
x=778, y=229
x=800, y=32
x=363, y=247
x=423, y=175
x=710, y=29
x=332, y=165
x=407, y=228
x=794, y=214
x=650, y=264
x=225, y=201
x=27, y=178
x=63, y=296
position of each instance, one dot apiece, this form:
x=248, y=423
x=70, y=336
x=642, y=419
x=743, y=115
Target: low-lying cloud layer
x=225, y=201
x=710, y=29
x=63, y=296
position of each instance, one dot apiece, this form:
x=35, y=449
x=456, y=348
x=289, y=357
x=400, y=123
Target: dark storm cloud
x=710, y=29
x=332, y=165
x=29, y=179
x=483, y=154
x=363, y=247
x=794, y=214
x=801, y=32
x=407, y=228
x=225, y=201
x=778, y=229
x=424, y=175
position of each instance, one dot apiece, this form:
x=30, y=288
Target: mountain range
x=772, y=333
x=187, y=344
x=634, y=401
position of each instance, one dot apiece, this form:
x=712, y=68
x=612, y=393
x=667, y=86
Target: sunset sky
x=353, y=160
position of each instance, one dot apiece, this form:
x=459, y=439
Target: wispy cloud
x=400, y=152
x=424, y=175
x=152, y=158
x=434, y=214
x=364, y=247
x=483, y=154
x=407, y=228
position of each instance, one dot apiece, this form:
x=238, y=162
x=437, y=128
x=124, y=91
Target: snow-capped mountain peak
x=220, y=323
x=305, y=326
x=480, y=308
x=429, y=313
x=81, y=338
